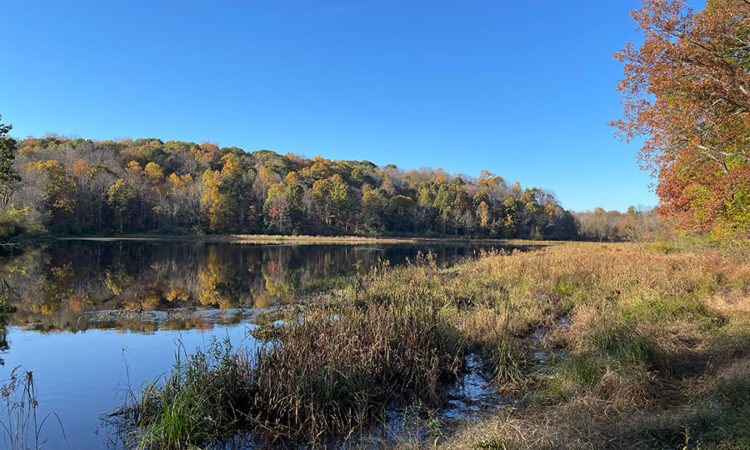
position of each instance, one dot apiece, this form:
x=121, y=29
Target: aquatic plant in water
x=20, y=424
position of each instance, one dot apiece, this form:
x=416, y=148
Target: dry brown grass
x=653, y=338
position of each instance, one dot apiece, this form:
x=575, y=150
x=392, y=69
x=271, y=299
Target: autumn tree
x=373, y=204
x=119, y=197
x=321, y=195
x=687, y=90
x=483, y=214
x=154, y=173
x=216, y=208
x=59, y=190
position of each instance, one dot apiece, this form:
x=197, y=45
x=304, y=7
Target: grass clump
x=332, y=375
x=204, y=398
x=332, y=372
x=667, y=308
x=623, y=344
x=718, y=416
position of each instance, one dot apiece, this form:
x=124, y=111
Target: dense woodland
x=74, y=186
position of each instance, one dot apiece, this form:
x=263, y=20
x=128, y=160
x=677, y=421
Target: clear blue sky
x=523, y=89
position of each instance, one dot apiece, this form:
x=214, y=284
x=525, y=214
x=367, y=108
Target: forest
x=77, y=186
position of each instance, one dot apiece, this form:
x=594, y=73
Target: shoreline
x=290, y=239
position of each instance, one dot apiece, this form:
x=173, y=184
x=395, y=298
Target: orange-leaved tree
x=686, y=89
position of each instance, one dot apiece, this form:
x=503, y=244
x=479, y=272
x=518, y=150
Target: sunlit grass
x=633, y=331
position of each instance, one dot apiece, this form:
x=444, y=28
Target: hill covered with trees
x=83, y=186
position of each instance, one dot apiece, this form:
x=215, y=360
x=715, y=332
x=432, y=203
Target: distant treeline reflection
x=77, y=285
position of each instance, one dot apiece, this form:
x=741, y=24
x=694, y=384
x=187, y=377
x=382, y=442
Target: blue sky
x=523, y=89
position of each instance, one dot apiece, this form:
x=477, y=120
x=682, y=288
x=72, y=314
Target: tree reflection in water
x=143, y=286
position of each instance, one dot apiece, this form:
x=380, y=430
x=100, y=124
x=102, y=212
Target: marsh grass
x=333, y=372
x=653, y=351
x=341, y=368
x=638, y=331
x=200, y=400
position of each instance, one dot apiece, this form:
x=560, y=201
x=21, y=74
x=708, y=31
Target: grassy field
x=656, y=349
x=642, y=346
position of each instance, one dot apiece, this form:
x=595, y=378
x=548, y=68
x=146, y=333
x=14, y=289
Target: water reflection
x=78, y=285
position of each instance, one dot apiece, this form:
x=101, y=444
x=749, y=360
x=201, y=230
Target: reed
x=334, y=372
x=21, y=425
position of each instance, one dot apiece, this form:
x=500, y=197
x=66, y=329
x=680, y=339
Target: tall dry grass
x=651, y=341
x=334, y=371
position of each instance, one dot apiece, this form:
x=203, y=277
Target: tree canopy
x=142, y=185
x=687, y=90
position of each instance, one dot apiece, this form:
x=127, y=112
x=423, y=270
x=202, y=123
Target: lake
x=94, y=319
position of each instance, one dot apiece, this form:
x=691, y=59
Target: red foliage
x=687, y=88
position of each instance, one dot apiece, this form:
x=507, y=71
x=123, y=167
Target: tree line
x=73, y=186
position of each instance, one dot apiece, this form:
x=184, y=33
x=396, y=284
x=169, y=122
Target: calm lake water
x=95, y=318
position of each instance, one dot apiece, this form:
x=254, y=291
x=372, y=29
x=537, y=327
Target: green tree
x=7, y=153
x=341, y=201
x=321, y=194
x=372, y=209
x=119, y=197
x=402, y=208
